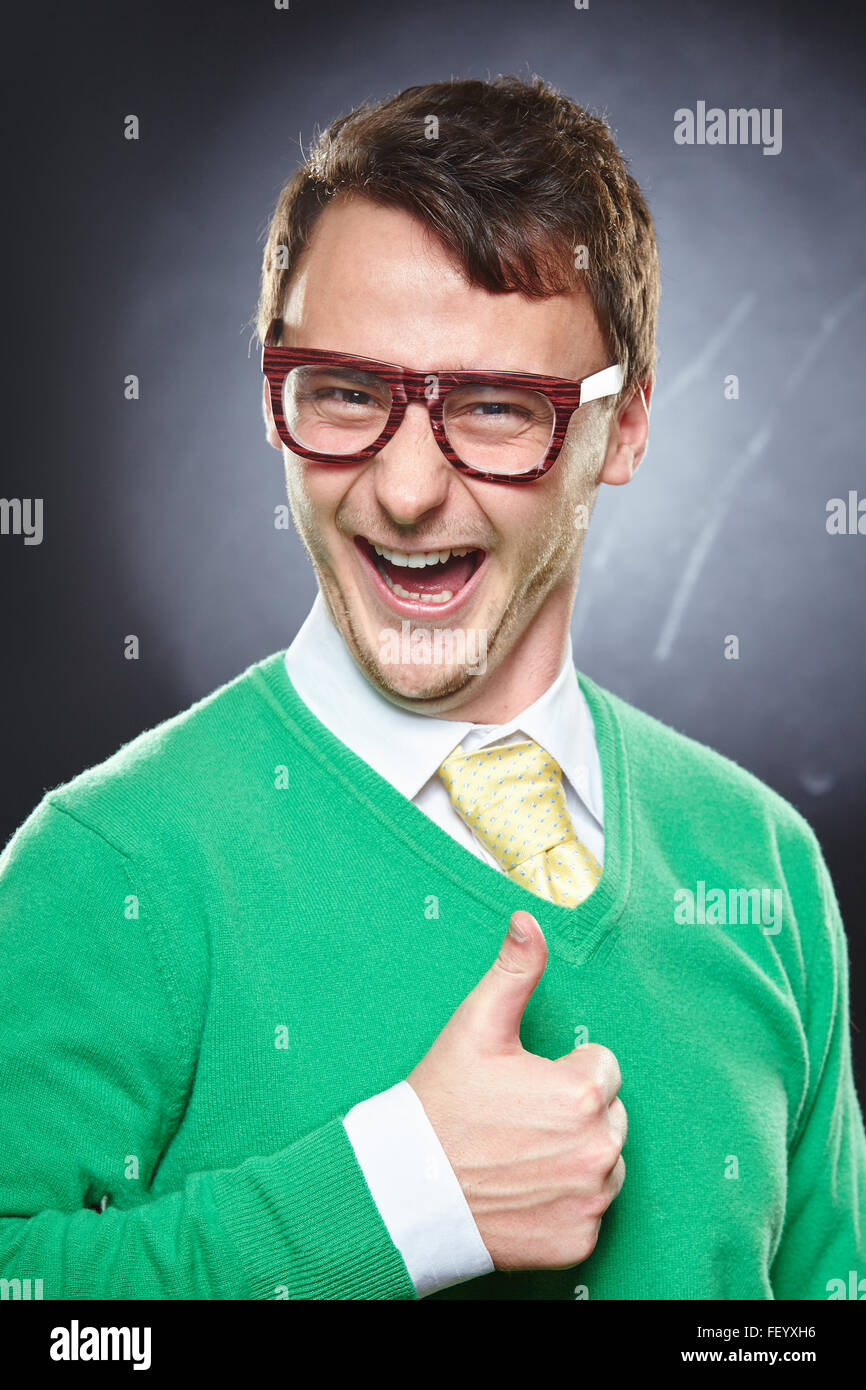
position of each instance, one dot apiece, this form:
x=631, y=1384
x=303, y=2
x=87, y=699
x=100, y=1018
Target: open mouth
x=431, y=577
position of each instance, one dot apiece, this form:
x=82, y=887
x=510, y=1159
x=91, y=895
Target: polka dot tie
x=511, y=797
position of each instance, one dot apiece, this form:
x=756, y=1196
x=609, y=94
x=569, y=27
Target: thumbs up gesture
x=535, y=1144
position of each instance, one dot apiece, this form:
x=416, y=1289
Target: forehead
x=374, y=281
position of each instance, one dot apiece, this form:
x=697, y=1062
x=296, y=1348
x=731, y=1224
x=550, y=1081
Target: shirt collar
x=406, y=748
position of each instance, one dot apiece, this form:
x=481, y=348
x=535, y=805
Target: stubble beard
x=522, y=605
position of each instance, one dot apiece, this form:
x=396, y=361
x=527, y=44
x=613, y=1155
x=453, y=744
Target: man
x=253, y=1042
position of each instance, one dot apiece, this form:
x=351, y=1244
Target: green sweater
x=219, y=940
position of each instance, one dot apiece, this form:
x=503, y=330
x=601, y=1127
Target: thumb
x=492, y=1012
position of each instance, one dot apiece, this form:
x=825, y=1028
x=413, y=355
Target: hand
x=536, y=1145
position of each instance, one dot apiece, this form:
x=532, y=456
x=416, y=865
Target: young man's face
x=374, y=283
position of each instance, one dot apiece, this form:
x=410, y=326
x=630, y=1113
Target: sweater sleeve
x=96, y=1069
x=824, y=1233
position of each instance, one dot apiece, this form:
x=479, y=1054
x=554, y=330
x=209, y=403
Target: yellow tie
x=511, y=797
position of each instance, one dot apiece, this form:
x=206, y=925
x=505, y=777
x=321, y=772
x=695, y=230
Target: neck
x=529, y=669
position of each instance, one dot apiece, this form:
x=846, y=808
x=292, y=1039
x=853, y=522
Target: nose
x=411, y=475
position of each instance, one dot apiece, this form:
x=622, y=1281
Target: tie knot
x=511, y=796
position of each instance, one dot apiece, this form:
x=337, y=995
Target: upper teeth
x=419, y=557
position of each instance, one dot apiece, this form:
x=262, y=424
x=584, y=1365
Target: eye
x=499, y=408
x=340, y=395
x=344, y=395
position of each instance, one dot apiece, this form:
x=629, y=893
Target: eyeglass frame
x=408, y=385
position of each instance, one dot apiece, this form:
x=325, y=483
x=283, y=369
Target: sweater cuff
x=416, y=1190
x=305, y=1225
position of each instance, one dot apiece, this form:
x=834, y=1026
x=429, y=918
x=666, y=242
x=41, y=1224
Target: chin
x=419, y=683
x=408, y=659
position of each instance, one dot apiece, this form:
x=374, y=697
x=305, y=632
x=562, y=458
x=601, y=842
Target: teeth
x=398, y=589
x=418, y=558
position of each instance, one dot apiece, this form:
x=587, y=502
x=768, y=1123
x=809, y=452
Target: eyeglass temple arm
x=604, y=383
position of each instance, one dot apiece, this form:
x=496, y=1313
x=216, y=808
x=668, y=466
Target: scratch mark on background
x=756, y=446
x=601, y=552
x=698, y=365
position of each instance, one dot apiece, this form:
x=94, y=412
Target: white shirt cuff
x=416, y=1190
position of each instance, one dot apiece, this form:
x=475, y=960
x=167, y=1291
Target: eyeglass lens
x=496, y=429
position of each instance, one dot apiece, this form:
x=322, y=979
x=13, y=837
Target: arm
x=824, y=1234
x=97, y=1063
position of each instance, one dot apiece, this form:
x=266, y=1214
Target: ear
x=629, y=433
x=270, y=428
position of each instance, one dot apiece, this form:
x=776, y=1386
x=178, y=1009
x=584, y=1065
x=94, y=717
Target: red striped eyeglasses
x=499, y=427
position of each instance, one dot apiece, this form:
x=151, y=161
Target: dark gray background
x=144, y=257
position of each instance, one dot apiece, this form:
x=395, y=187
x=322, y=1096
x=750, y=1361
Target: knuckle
x=587, y=1060
x=603, y=1156
x=607, y=1064
x=590, y=1097
x=595, y=1207
x=587, y=1241
x=614, y=1073
x=568, y=1250
x=509, y=962
x=619, y=1116
x=601, y=1056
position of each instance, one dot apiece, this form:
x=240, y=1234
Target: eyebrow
x=348, y=373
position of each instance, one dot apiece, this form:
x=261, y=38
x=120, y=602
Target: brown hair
x=516, y=178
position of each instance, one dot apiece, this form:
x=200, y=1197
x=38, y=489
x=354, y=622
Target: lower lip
x=415, y=608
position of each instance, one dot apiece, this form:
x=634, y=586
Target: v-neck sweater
x=219, y=940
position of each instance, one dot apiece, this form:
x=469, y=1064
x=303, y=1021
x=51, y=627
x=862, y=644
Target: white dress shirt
x=411, y=1180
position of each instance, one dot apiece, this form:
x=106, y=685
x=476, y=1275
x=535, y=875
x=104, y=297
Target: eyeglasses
x=500, y=427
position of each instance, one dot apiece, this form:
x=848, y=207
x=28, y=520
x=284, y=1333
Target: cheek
x=307, y=510
x=580, y=464
x=587, y=429
x=317, y=494
x=550, y=527
x=309, y=487
x=532, y=530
